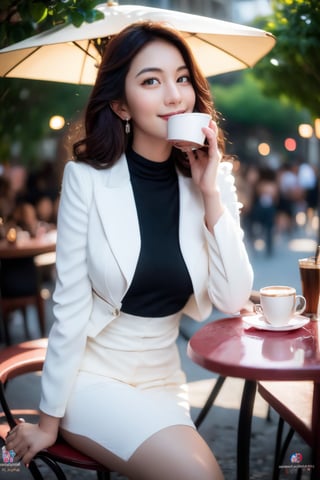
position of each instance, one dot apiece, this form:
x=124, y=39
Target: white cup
x=278, y=304
x=185, y=130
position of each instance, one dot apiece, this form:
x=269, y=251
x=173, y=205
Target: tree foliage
x=20, y=19
x=26, y=108
x=292, y=68
x=27, y=105
x=246, y=112
x=245, y=104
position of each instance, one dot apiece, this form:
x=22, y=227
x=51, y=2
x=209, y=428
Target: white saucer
x=259, y=322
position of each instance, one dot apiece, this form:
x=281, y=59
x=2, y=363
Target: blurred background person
x=262, y=215
x=290, y=197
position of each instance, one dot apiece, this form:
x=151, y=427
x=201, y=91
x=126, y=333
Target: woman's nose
x=172, y=94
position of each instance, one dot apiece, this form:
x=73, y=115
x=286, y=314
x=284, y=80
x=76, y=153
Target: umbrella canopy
x=72, y=55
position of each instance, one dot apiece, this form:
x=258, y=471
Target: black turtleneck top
x=161, y=284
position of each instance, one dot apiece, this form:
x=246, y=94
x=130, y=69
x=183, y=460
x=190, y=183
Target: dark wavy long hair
x=105, y=140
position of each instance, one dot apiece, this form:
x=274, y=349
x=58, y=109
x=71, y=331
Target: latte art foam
x=277, y=291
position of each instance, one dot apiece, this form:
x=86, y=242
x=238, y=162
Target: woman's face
x=157, y=86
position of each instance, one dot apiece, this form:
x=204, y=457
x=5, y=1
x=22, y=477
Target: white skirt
x=130, y=384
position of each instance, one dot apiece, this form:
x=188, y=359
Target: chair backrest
x=22, y=358
x=17, y=360
x=292, y=400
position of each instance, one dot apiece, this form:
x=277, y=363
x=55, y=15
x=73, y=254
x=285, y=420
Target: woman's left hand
x=204, y=162
x=27, y=439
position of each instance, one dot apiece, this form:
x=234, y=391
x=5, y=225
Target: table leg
x=210, y=400
x=244, y=429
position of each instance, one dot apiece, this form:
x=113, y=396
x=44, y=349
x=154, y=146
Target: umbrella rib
x=21, y=61
x=84, y=50
x=219, y=48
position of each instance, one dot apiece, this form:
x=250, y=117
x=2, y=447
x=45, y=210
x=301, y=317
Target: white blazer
x=97, y=252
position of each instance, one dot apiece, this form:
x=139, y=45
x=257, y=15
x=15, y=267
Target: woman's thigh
x=97, y=452
x=173, y=453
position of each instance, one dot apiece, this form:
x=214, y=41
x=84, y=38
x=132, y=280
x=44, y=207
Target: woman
x=145, y=233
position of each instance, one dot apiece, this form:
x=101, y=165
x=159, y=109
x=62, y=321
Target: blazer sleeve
x=230, y=272
x=73, y=294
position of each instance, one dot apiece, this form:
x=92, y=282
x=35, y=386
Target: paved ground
x=220, y=427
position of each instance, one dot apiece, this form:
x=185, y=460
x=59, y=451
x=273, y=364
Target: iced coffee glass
x=310, y=283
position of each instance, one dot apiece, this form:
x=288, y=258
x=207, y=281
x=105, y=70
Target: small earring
x=127, y=128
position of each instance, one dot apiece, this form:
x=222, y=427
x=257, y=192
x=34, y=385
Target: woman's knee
x=178, y=453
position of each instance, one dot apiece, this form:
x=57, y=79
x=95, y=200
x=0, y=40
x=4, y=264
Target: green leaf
x=93, y=16
x=38, y=11
x=77, y=18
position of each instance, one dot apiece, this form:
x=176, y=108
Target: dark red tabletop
x=231, y=348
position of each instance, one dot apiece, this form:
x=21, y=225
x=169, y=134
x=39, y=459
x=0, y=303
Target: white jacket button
x=116, y=312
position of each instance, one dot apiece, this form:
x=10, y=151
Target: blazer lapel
x=117, y=210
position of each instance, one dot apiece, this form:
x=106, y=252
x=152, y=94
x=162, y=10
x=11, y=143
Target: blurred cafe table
x=231, y=347
x=24, y=264
x=26, y=246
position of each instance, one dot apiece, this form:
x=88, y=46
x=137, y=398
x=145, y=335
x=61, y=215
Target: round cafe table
x=231, y=347
x=28, y=247
x=19, y=275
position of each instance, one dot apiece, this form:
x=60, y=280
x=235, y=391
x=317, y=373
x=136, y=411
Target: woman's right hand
x=27, y=439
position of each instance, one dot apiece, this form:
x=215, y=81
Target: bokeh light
x=56, y=122
x=305, y=130
x=264, y=149
x=290, y=144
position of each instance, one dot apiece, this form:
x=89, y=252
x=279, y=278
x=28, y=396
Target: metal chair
x=292, y=400
x=28, y=357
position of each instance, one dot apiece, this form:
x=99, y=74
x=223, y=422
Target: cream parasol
x=71, y=55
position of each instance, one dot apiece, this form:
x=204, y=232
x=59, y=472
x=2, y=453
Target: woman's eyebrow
x=158, y=70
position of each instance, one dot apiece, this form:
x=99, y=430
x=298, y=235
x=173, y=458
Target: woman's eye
x=184, y=79
x=150, y=81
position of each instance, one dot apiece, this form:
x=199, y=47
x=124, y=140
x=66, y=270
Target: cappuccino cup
x=279, y=303
x=185, y=130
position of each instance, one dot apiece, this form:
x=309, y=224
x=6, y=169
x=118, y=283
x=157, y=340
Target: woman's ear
x=120, y=109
